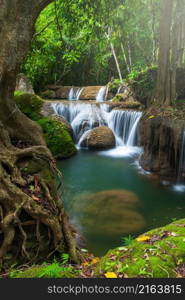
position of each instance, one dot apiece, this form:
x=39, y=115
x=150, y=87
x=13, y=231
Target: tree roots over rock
x=32, y=220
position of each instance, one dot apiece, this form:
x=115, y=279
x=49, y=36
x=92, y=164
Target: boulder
x=109, y=212
x=99, y=138
x=24, y=84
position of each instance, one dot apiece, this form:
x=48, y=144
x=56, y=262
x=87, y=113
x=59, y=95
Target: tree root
x=41, y=208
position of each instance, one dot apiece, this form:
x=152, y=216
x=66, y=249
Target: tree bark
x=163, y=91
x=17, y=20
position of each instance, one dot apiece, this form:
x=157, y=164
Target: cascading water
x=101, y=94
x=84, y=117
x=124, y=125
x=180, y=186
x=75, y=94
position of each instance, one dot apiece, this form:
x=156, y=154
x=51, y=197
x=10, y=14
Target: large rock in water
x=99, y=138
x=109, y=212
x=24, y=84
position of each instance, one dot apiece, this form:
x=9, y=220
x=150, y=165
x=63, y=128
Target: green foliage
x=71, y=44
x=65, y=258
x=118, y=98
x=57, y=138
x=128, y=240
x=50, y=271
x=143, y=83
x=114, y=85
x=54, y=270
x=29, y=104
x=18, y=93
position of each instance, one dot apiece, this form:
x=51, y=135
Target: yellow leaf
x=151, y=117
x=95, y=260
x=110, y=275
x=86, y=263
x=143, y=238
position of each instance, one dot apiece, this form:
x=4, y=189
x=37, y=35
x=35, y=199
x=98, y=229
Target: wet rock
x=99, y=138
x=90, y=92
x=161, y=138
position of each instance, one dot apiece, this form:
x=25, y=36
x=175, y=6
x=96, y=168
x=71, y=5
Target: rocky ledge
x=161, y=137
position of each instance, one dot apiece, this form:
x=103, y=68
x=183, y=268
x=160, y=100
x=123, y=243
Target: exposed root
x=41, y=207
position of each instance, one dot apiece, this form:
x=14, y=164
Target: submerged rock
x=110, y=212
x=99, y=138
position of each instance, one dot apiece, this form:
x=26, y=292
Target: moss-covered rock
x=29, y=104
x=156, y=254
x=48, y=94
x=118, y=98
x=57, y=138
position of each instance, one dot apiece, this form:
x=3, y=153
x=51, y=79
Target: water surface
x=88, y=173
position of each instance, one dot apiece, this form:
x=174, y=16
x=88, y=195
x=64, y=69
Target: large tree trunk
x=163, y=90
x=24, y=213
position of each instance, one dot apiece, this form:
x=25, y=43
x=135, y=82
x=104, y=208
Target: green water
x=90, y=172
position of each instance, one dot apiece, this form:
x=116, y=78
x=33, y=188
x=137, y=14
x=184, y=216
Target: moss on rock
x=29, y=104
x=156, y=256
x=53, y=270
x=57, y=138
x=114, y=85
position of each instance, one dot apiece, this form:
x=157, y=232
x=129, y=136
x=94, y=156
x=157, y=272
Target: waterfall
x=84, y=117
x=78, y=93
x=180, y=186
x=75, y=95
x=124, y=124
x=101, y=94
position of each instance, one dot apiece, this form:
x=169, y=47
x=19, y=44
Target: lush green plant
x=65, y=258
x=52, y=271
x=114, y=85
x=29, y=104
x=57, y=138
x=128, y=240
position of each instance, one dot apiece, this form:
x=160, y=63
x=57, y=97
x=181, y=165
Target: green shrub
x=143, y=83
x=29, y=104
x=57, y=138
x=114, y=85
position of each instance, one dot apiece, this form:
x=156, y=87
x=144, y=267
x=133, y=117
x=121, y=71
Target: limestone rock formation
x=109, y=212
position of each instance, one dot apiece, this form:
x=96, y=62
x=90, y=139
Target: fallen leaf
x=86, y=263
x=95, y=260
x=151, y=117
x=143, y=238
x=110, y=275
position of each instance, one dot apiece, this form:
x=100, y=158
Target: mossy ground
x=57, y=138
x=159, y=253
x=157, y=257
